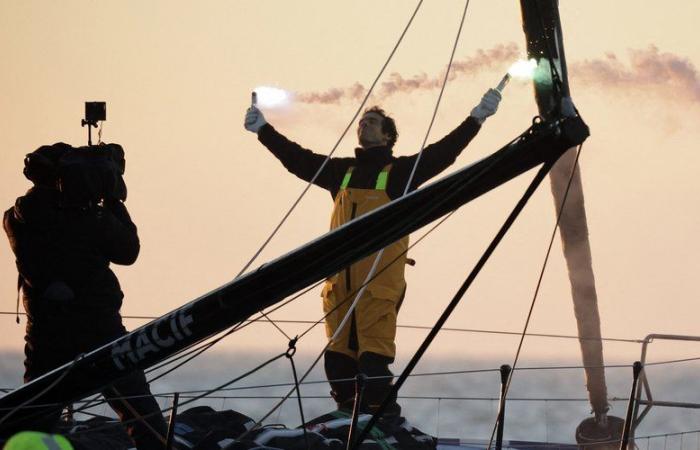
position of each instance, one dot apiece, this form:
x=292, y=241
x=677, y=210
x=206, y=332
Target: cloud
x=497, y=57
x=647, y=69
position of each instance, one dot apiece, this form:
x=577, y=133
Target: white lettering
x=173, y=328
x=179, y=326
x=144, y=345
x=186, y=319
x=160, y=342
x=119, y=352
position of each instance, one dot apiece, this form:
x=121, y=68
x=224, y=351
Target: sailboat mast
x=542, y=28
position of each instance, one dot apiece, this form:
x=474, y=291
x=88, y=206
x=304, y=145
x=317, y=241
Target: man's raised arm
x=443, y=153
x=300, y=161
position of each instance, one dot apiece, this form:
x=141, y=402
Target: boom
x=272, y=282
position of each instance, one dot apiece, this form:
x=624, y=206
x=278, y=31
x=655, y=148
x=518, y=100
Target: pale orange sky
x=177, y=77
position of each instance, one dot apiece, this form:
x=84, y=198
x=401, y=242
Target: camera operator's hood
x=38, y=207
x=40, y=166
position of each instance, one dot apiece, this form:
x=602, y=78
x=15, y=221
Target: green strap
x=381, y=180
x=346, y=178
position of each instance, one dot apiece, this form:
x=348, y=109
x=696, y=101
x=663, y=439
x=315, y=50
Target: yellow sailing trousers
x=372, y=326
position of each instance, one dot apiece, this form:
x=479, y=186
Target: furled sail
x=545, y=44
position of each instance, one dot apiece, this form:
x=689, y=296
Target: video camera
x=84, y=175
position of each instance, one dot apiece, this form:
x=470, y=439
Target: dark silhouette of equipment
x=94, y=112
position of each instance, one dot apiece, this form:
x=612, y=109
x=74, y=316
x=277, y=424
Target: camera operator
x=65, y=231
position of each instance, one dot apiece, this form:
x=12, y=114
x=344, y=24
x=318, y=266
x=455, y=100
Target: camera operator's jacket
x=63, y=257
x=358, y=185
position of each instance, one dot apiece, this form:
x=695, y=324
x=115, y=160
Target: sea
x=449, y=398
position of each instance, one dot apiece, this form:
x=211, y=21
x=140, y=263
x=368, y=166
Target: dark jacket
x=63, y=254
x=369, y=162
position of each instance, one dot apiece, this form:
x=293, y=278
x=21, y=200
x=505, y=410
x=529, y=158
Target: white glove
x=487, y=107
x=254, y=119
x=567, y=107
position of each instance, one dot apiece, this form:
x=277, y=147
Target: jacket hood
x=37, y=207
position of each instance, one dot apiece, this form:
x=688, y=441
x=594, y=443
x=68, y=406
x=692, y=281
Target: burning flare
x=523, y=69
x=520, y=69
x=272, y=97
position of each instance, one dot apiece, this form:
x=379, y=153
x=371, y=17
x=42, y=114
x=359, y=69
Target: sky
x=205, y=194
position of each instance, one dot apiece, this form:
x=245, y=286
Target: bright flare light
x=523, y=69
x=272, y=97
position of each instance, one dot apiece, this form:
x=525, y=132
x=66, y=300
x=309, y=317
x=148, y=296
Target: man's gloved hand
x=487, y=107
x=254, y=119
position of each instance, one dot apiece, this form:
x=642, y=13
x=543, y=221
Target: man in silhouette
x=64, y=241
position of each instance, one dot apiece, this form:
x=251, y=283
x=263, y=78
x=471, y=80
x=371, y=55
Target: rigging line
x=441, y=373
x=230, y=397
x=679, y=433
x=439, y=99
x=95, y=401
x=275, y=325
x=198, y=350
x=421, y=397
x=420, y=239
x=233, y=329
x=201, y=349
x=433, y=228
x=42, y=392
x=283, y=399
x=672, y=361
x=418, y=327
x=205, y=346
x=649, y=436
x=422, y=374
x=460, y=293
x=350, y=295
x=371, y=275
x=140, y=418
x=341, y=380
x=191, y=400
x=518, y=333
x=335, y=147
x=407, y=188
x=537, y=288
x=409, y=397
x=290, y=355
x=328, y=343
x=240, y=326
x=435, y=204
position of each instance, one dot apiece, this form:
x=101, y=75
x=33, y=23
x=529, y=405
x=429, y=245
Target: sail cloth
x=545, y=44
x=573, y=228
